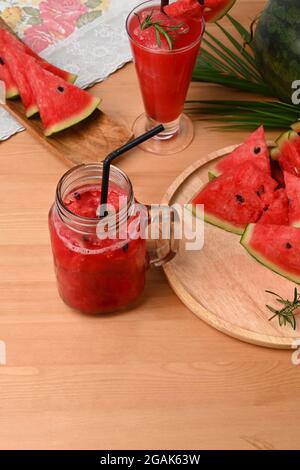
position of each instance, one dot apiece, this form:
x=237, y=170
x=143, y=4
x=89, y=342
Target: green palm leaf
x=234, y=66
x=245, y=114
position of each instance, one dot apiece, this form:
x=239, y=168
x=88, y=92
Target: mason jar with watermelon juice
x=165, y=50
x=100, y=264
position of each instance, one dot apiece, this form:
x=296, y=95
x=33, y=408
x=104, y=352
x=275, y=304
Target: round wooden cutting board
x=222, y=284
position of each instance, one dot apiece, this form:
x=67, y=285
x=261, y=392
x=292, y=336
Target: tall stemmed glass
x=165, y=50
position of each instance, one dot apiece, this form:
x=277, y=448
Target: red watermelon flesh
x=275, y=246
x=184, y=7
x=292, y=184
x=277, y=173
x=17, y=67
x=212, y=10
x=8, y=38
x=236, y=198
x=60, y=103
x=254, y=150
x=10, y=84
x=289, y=158
x=277, y=212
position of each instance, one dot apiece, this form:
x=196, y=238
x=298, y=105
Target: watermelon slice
x=280, y=142
x=254, y=149
x=61, y=104
x=277, y=212
x=10, y=84
x=17, y=68
x=275, y=246
x=292, y=184
x=184, y=7
x=8, y=38
x=236, y=198
x=212, y=10
x=287, y=152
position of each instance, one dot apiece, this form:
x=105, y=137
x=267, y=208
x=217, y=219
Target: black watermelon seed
x=257, y=150
x=261, y=190
x=125, y=247
x=77, y=196
x=288, y=245
x=85, y=238
x=1, y=61
x=266, y=208
x=240, y=198
x=60, y=89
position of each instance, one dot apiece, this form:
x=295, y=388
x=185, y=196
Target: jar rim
x=88, y=221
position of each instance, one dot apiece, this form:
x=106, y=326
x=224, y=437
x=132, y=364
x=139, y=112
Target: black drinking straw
x=116, y=153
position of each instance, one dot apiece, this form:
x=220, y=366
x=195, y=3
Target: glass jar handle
x=162, y=222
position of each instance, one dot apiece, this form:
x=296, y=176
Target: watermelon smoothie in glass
x=100, y=264
x=165, y=50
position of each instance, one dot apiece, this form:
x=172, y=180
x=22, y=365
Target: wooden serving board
x=89, y=141
x=222, y=284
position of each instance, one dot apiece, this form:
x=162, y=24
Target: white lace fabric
x=93, y=52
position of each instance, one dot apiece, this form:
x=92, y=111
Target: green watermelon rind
x=245, y=242
x=71, y=77
x=66, y=123
x=218, y=16
x=31, y=111
x=223, y=224
x=13, y=92
x=217, y=222
x=213, y=173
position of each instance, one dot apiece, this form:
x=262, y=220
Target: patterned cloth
x=86, y=37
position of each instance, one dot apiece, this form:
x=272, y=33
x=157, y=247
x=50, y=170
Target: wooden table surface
x=155, y=377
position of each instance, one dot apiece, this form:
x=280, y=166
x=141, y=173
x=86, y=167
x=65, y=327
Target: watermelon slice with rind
x=10, y=84
x=276, y=247
x=8, y=38
x=253, y=150
x=17, y=67
x=277, y=212
x=292, y=184
x=60, y=103
x=212, y=10
x=236, y=198
x=287, y=152
x=182, y=8
x=280, y=142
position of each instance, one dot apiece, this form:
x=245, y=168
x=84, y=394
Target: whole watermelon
x=277, y=46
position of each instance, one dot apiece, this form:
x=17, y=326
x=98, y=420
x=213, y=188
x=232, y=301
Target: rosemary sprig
x=160, y=29
x=285, y=315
